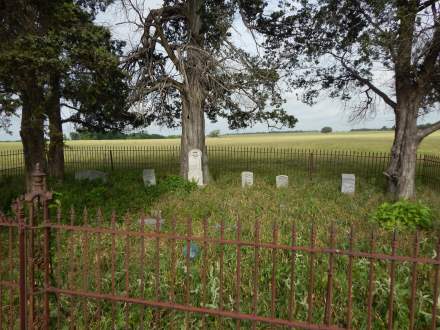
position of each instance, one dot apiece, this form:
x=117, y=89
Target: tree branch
x=424, y=132
x=431, y=58
x=426, y=4
x=367, y=82
x=73, y=119
x=156, y=18
x=69, y=106
x=158, y=85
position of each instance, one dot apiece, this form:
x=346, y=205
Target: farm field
x=358, y=141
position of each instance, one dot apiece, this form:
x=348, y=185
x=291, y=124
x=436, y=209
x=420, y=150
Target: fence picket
x=273, y=160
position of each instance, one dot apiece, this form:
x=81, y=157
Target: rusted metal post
x=46, y=310
x=22, y=255
x=311, y=164
x=412, y=301
x=38, y=196
x=330, y=274
x=436, y=289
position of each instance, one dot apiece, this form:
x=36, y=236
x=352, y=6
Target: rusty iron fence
x=79, y=271
x=289, y=161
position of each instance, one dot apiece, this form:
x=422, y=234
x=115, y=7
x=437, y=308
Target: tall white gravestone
x=195, y=172
x=282, y=181
x=149, y=177
x=247, y=179
x=348, y=184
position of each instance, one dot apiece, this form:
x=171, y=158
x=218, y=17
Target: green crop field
x=359, y=141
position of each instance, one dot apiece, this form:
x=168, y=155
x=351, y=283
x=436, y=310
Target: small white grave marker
x=247, y=179
x=91, y=175
x=282, y=181
x=152, y=222
x=348, y=184
x=195, y=172
x=149, y=177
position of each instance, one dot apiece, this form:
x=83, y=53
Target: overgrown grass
x=306, y=200
x=84, y=260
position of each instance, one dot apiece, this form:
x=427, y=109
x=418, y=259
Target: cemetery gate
x=76, y=274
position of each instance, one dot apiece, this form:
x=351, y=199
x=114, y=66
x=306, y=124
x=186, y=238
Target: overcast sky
x=327, y=112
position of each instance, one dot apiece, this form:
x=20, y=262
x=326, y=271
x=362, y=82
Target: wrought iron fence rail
x=126, y=263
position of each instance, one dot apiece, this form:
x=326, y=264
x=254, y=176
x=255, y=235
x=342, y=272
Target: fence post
x=423, y=171
x=311, y=164
x=39, y=197
x=111, y=159
x=22, y=260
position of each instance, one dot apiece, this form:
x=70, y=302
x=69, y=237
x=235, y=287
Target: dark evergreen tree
x=364, y=52
x=52, y=56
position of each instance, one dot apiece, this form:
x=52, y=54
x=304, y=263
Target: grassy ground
x=303, y=203
x=359, y=141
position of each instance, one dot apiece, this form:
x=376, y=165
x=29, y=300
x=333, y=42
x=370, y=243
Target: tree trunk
x=193, y=95
x=32, y=131
x=401, y=172
x=193, y=130
x=56, y=144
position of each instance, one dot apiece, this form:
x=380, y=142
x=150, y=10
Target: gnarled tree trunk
x=32, y=131
x=193, y=129
x=56, y=143
x=401, y=172
x=193, y=95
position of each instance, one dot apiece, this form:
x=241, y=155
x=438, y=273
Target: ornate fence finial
x=38, y=185
x=38, y=179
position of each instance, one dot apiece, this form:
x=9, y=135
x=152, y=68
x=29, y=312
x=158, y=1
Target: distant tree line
x=275, y=132
x=384, y=128
x=116, y=135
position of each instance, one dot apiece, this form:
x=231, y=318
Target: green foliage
x=326, y=129
x=10, y=189
x=113, y=135
x=59, y=56
x=124, y=191
x=303, y=202
x=234, y=84
x=404, y=215
x=215, y=133
x=338, y=47
x=175, y=183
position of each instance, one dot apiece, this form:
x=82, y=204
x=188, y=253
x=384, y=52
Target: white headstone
x=348, y=184
x=282, y=181
x=91, y=175
x=152, y=222
x=247, y=179
x=149, y=177
x=195, y=172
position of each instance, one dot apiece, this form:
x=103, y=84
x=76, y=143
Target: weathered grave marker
x=91, y=175
x=247, y=179
x=194, y=250
x=151, y=222
x=282, y=181
x=348, y=184
x=149, y=177
x=195, y=172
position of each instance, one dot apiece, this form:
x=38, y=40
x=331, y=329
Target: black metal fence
x=222, y=159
